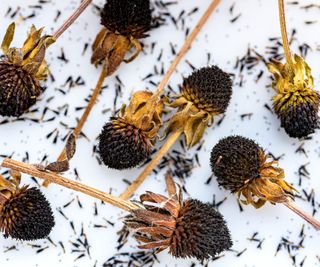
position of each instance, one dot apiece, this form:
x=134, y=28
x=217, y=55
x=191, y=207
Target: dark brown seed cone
x=127, y=17
x=122, y=145
x=201, y=232
x=188, y=228
x=209, y=88
x=234, y=161
x=300, y=120
x=26, y=215
x=18, y=90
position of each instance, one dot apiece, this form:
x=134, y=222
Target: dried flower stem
x=284, y=34
x=292, y=206
x=184, y=49
x=57, y=179
x=84, y=4
x=148, y=169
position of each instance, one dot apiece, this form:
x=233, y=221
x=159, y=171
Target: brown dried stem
x=284, y=34
x=84, y=4
x=153, y=163
x=57, y=179
x=292, y=206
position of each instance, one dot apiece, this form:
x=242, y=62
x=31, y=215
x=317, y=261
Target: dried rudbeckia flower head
x=242, y=167
x=296, y=102
x=124, y=23
x=188, y=228
x=205, y=93
x=21, y=70
x=25, y=213
x=126, y=141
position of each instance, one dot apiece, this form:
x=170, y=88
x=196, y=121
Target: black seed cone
x=201, y=232
x=27, y=215
x=123, y=146
x=234, y=160
x=127, y=17
x=301, y=120
x=209, y=88
x=18, y=90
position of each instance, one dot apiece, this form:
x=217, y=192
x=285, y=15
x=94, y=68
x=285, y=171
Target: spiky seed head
x=127, y=17
x=201, y=232
x=234, y=161
x=122, y=145
x=26, y=215
x=296, y=102
x=209, y=88
x=18, y=90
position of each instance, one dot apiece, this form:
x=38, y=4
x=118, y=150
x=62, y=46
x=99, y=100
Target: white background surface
x=225, y=41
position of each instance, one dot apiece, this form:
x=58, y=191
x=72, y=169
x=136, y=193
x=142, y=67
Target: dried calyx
x=188, y=228
x=124, y=23
x=242, y=167
x=127, y=140
x=205, y=93
x=296, y=102
x=21, y=70
x=25, y=213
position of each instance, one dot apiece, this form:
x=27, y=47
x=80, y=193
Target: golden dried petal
x=8, y=38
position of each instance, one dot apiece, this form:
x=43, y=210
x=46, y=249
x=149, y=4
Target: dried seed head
x=21, y=70
x=127, y=17
x=26, y=215
x=18, y=90
x=122, y=145
x=209, y=88
x=242, y=167
x=296, y=102
x=188, y=228
x=205, y=93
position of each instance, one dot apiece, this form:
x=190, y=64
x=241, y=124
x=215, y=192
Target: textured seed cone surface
x=18, y=90
x=26, y=215
x=127, y=17
x=296, y=102
x=209, y=88
x=234, y=161
x=122, y=145
x=189, y=229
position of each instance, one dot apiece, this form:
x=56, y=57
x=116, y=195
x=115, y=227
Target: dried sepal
x=296, y=102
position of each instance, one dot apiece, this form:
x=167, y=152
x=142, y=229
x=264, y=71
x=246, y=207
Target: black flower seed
x=26, y=215
x=127, y=17
x=235, y=160
x=209, y=88
x=123, y=146
x=18, y=90
x=201, y=232
x=300, y=120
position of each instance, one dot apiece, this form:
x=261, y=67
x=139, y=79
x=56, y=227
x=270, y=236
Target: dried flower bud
x=129, y=146
x=128, y=18
x=126, y=141
x=21, y=70
x=205, y=93
x=188, y=228
x=26, y=215
x=296, y=102
x=18, y=90
x=242, y=167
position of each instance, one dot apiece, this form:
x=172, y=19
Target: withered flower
x=296, y=102
x=125, y=22
x=126, y=141
x=188, y=228
x=244, y=168
x=205, y=94
x=21, y=70
x=25, y=213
